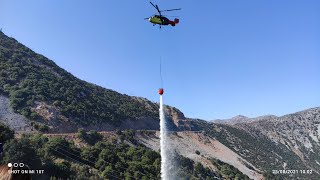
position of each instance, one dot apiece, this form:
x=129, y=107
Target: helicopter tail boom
x=174, y=22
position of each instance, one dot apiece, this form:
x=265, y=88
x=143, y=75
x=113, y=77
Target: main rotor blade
x=153, y=5
x=171, y=10
x=157, y=8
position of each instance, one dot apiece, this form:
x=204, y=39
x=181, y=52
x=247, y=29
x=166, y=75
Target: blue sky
x=225, y=57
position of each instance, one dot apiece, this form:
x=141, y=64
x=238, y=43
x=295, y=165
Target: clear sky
x=226, y=57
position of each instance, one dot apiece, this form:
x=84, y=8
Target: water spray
x=168, y=168
x=166, y=152
x=163, y=140
x=163, y=133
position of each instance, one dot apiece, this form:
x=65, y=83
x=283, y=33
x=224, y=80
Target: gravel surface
x=7, y=116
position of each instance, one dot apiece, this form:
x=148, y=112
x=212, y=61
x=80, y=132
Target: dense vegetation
x=190, y=170
x=26, y=77
x=91, y=137
x=227, y=171
x=103, y=160
x=5, y=133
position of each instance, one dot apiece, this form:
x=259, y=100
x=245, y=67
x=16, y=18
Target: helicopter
x=160, y=19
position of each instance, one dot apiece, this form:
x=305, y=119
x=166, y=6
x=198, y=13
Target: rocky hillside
x=56, y=101
x=36, y=94
x=15, y=121
x=242, y=119
x=201, y=148
x=298, y=132
x=257, y=146
x=274, y=143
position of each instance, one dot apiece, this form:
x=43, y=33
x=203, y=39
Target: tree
x=54, y=146
x=21, y=151
x=94, y=137
x=91, y=138
x=199, y=169
x=5, y=133
x=82, y=133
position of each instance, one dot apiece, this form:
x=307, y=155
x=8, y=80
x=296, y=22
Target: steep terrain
x=274, y=143
x=298, y=132
x=15, y=121
x=187, y=143
x=47, y=95
x=36, y=94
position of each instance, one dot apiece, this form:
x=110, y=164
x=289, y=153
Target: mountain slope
x=298, y=132
x=37, y=94
x=43, y=92
x=188, y=143
x=15, y=121
x=275, y=143
x=242, y=119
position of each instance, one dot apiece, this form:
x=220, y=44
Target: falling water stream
x=163, y=137
x=167, y=160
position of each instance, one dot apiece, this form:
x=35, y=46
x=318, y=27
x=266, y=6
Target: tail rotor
x=176, y=20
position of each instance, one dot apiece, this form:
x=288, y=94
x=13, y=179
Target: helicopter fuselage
x=161, y=20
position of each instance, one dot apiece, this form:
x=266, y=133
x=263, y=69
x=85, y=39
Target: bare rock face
x=174, y=116
x=45, y=111
x=175, y=113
